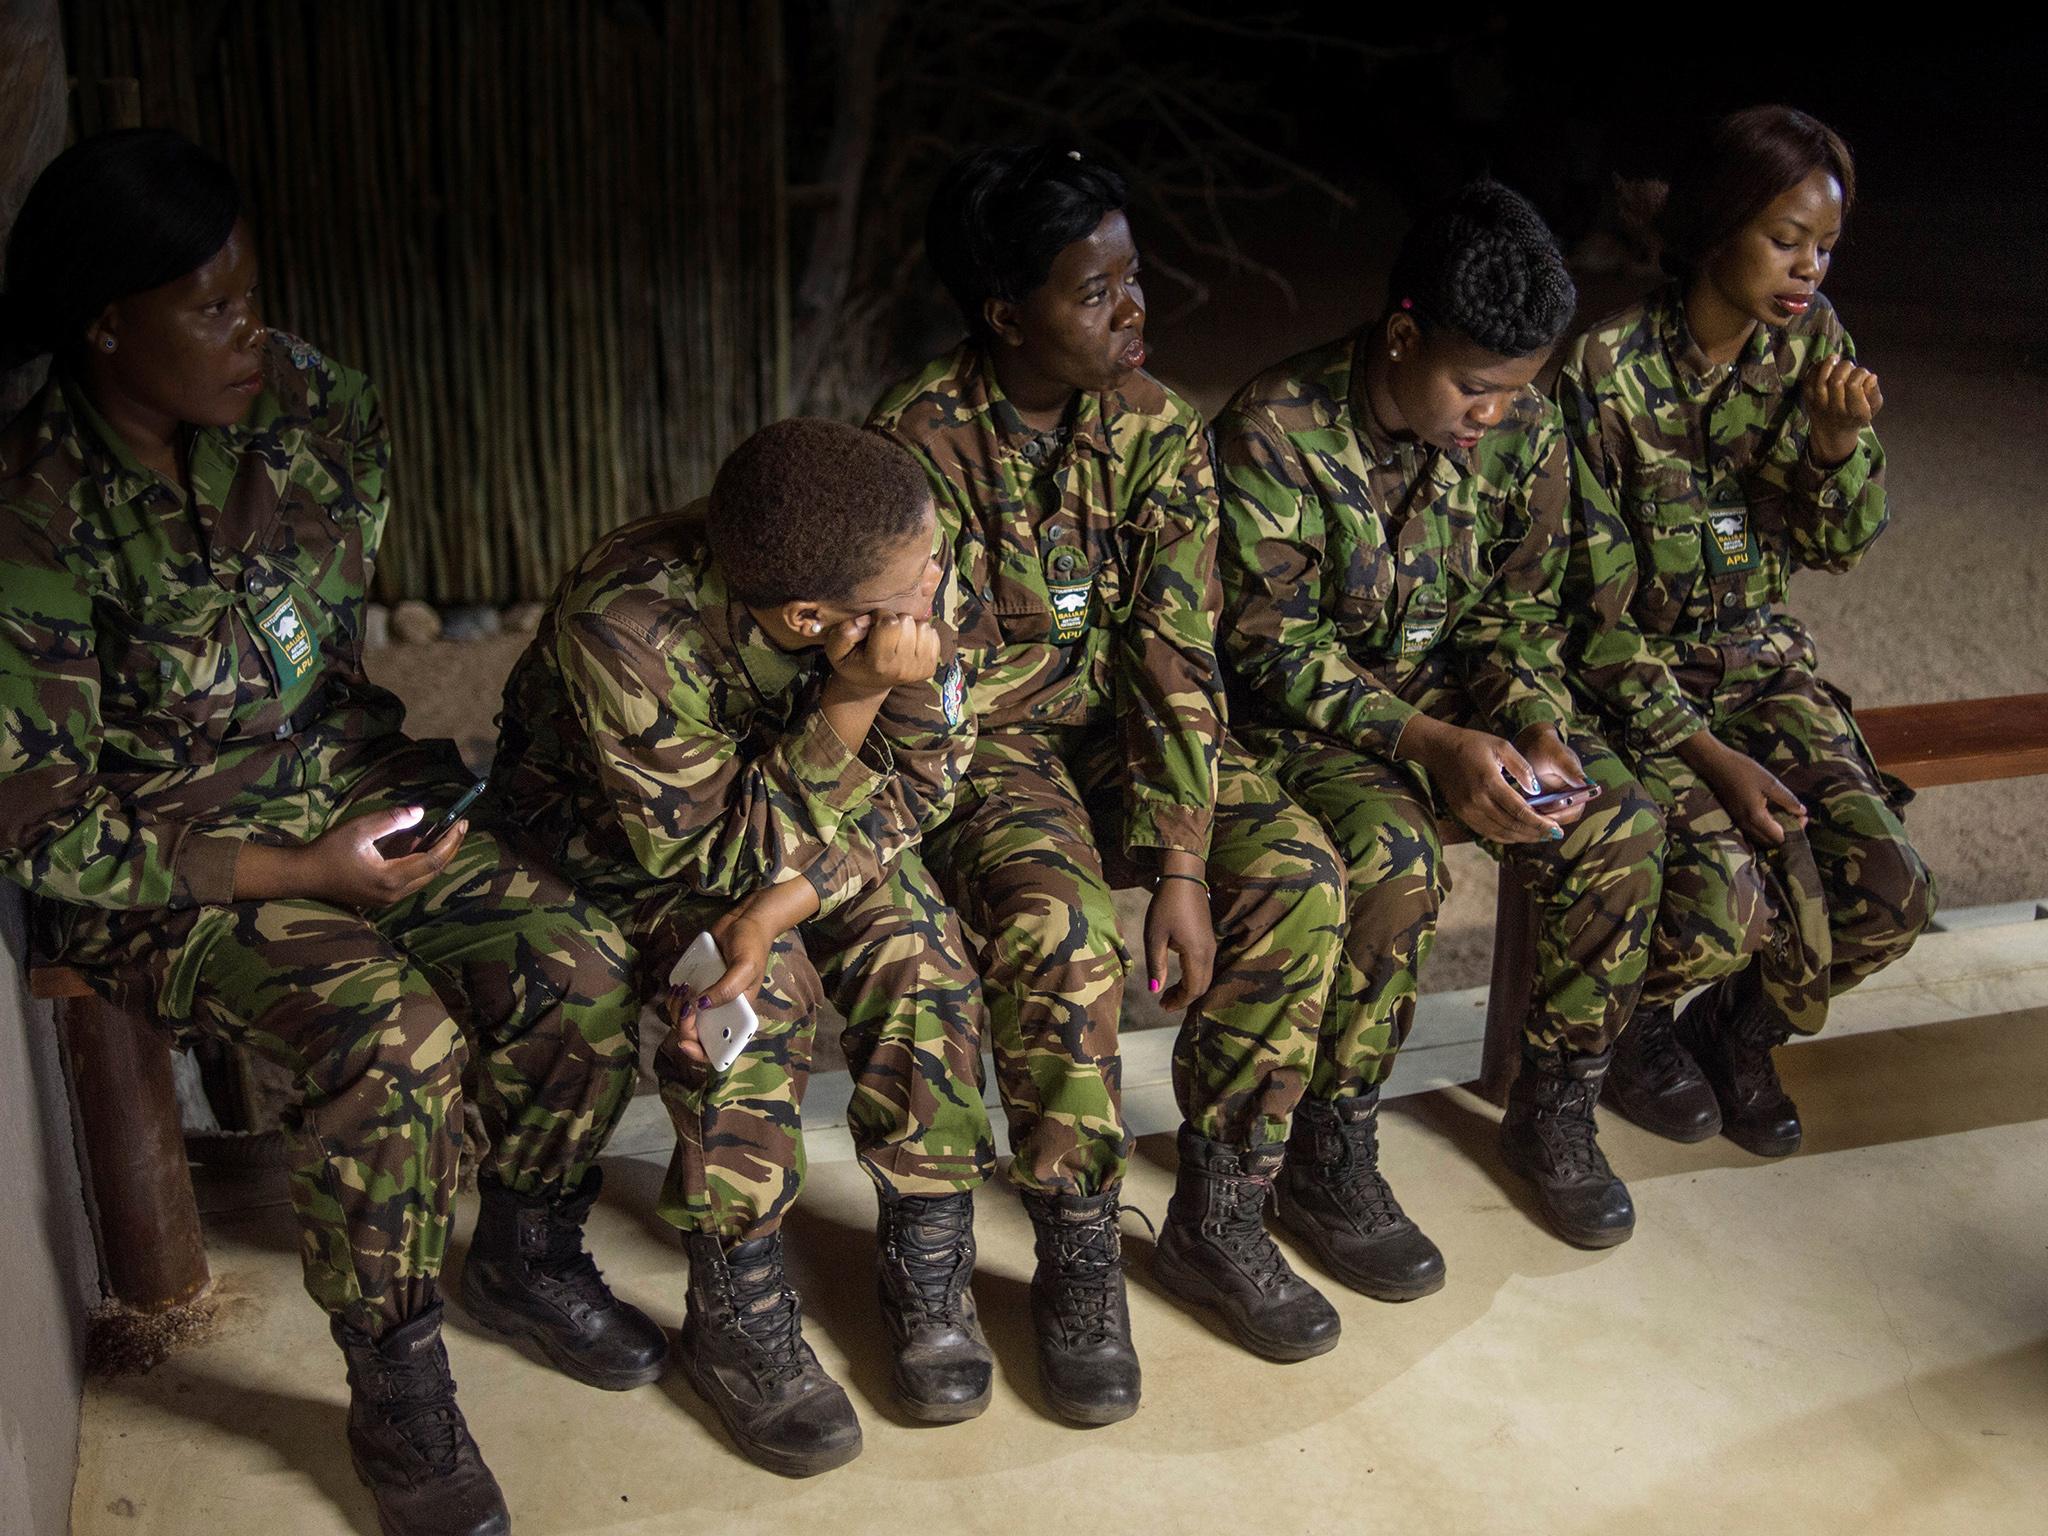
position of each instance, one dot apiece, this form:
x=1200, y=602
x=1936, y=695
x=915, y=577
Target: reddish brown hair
x=1747, y=159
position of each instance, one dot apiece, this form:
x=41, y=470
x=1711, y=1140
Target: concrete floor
x=1854, y=1340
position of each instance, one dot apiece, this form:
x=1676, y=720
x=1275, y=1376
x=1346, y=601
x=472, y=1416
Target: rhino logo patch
x=1070, y=608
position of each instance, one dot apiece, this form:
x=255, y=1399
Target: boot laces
x=769, y=1319
x=1754, y=1073
x=566, y=1268
x=1088, y=1276
x=1660, y=1059
x=1356, y=1184
x=930, y=1257
x=417, y=1398
x=1572, y=1136
x=1238, y=1225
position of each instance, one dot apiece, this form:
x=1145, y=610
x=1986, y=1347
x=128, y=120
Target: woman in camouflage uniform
x=1395, y=536
x=1728, y=423
x=1076, y=492
x=195, y=776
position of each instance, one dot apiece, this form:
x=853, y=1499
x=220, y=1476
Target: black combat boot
x=528, y=1276
x=407, y=1438
x=743, y=1346
x=1083, y=1320
x=1332, y=1197
x=1548, y=1136
x=924, y=1257
x=1731, y=1031
x=1214, y=1252
x=1656, y=1083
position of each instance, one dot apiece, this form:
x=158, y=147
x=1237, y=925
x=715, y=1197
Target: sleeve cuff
x=1663, y=730
x=1839, y=486
x=831, y=773
x=1166, y=826
x=205, y=868
x=1528, y=712
x=1388, y=724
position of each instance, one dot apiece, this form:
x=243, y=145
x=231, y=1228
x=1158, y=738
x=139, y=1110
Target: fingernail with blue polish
x=1557, y=834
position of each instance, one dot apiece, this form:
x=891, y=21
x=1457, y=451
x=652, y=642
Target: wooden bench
x=148, y=1220
x=1926, y=745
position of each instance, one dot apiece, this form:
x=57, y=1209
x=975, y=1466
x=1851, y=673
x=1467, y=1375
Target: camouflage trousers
x=897, y=966
x=1875, y=892
x=1022, y=861
x=497, y=973
x=1596, y=896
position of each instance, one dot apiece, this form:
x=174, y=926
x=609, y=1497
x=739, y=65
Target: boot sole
x=1191, y=1287
x=1089, y=1415
x=385, y=1527
x=487, y=1313
x=1775, y=1146
x=1312, y=1239
x=1582, y=1237
x=1648, y=1123
x=783, y=1463
x=943, y=1413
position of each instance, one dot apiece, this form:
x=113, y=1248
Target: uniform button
x=282, y=731
x=1727, y=599
x=1063, y=562
x=255, y=581
x=164, y=669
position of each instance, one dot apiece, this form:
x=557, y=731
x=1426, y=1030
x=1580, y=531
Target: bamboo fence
x=553, y=233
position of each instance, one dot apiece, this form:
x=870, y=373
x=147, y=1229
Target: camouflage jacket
x=1089, y=562
x=1361, y=571
x=176, y=673
x=654, y=737
x=1711, y=502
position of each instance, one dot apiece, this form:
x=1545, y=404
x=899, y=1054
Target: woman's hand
x=1841, y=400
x=877, y=652
x=1557, y=767
x=1471, y=770
x=1179, y=920
x=1746, y=789
x=343, y=865
x=744, y=941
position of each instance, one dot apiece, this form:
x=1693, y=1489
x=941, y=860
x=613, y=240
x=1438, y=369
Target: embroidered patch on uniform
x=1729, y=547
x=953, y=693
x=1069, y=608
x=291, y=644
x=1419, y=635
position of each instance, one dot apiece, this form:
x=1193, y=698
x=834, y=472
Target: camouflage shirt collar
x=739, y=646
x=1756, y=366
x=1413, y=457
x=1086, y=424
x=77, y=427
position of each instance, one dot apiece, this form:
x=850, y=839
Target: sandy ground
x=1948, y=605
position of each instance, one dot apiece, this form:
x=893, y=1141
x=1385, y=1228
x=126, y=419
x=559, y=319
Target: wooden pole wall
x=551, y=232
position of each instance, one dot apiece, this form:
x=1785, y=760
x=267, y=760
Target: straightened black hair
x=116, y=214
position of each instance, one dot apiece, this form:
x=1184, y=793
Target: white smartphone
x=724, y=1031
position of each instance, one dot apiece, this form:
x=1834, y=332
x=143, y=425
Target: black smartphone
x=1551, y=799
x=399, y=844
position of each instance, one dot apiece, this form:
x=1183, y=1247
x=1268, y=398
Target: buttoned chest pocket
x=1667, y=515
x=319, y=537
x=1358, y=583
x=172, y=671
x=1018, y=599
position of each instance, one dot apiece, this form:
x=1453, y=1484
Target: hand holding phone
x=399, y=844
x=726, y=1030
x=1551, y=799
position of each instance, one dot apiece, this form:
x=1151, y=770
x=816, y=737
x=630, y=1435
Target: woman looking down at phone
x=195, y=774
x=1728, y=425
x=1394, y=539
x=738, y=719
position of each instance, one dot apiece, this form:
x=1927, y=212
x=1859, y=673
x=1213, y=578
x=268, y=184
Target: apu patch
x=1069, y=608
x=1729, y=546
x=1419, y=635
x=953, y=693
x=292, y=645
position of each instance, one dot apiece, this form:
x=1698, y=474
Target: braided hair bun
x=1484, y=264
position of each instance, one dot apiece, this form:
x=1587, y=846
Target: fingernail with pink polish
x=1153, y=983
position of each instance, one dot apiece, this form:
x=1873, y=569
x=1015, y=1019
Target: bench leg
x=135, y=1153
x=1513, y=983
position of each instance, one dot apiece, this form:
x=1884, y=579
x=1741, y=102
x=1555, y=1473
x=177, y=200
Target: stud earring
x=1394, y=353
x=106, y=343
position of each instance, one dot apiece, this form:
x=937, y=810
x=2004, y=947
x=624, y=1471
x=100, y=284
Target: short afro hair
x=808, y=509
x=1484, y=264
x=1000, y=216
